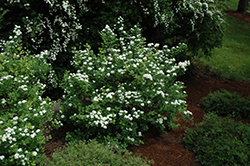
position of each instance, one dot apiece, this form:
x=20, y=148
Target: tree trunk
x=243, y=6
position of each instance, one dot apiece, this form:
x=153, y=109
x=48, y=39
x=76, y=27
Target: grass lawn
x=232, y=60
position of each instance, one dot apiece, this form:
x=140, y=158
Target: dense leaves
x=219, y=141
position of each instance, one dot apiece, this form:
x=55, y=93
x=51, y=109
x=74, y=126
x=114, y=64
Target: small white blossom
x=2, y=157
x=149, y=76
x=188, y=112
x=34, y=153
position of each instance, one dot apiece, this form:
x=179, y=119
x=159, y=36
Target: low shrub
x=219, y=141
x=92, y=153
x=125, y=90
x=225, y=103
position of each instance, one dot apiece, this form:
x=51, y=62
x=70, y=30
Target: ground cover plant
x=22, y=109
x=92, y=153
x=219, y=141
x=125, y=90
x=224, y=103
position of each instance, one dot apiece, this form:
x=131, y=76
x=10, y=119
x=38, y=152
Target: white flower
x=62, y=116
x=139, y=134
x=156, y=45
x=70, y=104
x=16, y=156
x=150, y=44
x=2, y=157
x=33, y=135
x=148, y=76
x=110, y=95
x=188, y=112
x=44, y=102
x=19, y=150
x=34, y=153
x=3, y=100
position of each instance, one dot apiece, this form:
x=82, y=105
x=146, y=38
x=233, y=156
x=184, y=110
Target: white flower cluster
x=178, y=102
x=11, y=137
x=184, y=64
x=17, y=30
x=148, y=76
x=3, y=100
x=160, y=120
x=60, y=37
x=5, y=78
x=81, y=77
x=97, y=118
x=52, y=78
x=187, y=112
x=24, y=87
x=200, y=9
x=13, y=1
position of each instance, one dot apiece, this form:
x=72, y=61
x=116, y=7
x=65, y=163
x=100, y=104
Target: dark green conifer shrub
x=219, y=141
x=225, y=103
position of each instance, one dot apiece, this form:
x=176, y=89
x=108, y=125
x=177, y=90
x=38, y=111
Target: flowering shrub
x=22, y=110
x=61, y=25
x=125, y=90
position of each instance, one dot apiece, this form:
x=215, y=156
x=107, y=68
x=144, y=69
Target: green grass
x=232, y=60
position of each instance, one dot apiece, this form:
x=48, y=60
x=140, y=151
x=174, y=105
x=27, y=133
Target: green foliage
x=22, y=110
x=219, y=142
x=224, y=103
x=231, y=61
x=125, y=90
x=92, y=153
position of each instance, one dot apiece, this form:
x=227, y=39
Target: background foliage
x=57, y=26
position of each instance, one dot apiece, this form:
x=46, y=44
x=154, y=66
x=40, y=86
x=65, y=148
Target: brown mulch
x=243, y=17
x=168, y=149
